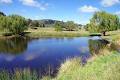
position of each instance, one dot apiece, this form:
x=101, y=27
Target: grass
x=50, y=32
x=114, y=38
x=19, y=75
x=100, y=68
x=112, y=35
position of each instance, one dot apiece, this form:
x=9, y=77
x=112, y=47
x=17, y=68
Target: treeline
x=17, y=24
x=58, y=25
x=101, y=22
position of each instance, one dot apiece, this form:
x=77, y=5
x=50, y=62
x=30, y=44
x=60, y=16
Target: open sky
x=79, y=11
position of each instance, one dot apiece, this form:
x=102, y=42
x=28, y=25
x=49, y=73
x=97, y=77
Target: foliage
x=13, y=23
x=2, y=14
x=70, y=26
x=102, y=22
x=17, y=24
x=58, y=26
x=2, y=22
x=86, y=27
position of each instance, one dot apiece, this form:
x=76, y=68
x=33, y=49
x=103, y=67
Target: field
x=50, y=32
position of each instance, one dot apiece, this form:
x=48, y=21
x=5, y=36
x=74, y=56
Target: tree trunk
x=104, y=33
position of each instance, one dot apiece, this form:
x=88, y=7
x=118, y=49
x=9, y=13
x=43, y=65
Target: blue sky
x=79, y=11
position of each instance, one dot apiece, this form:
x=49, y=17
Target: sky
x=79, y=11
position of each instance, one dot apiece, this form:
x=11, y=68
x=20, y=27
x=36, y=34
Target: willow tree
x=103, y=22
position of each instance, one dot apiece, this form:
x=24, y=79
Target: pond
x=45, y=55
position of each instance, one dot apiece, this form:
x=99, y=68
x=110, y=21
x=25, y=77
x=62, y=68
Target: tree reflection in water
x=14, y=45
x=96, y=45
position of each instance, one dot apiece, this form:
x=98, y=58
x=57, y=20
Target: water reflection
x=14, y=45
x=45, y=55
x=96, y=45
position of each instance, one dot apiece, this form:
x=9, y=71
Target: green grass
x=50, y=32
x=101, y=68
x=112, y=35
x=19, y=75
x=114, y=38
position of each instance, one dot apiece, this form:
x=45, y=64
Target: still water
x=45, y=55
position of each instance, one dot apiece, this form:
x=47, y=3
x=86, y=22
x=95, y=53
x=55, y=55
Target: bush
x=17, y=24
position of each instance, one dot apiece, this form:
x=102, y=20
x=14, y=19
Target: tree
x=29, y=21
x=58, y=26
x=41, y=25
x=86, y=27
x=4, y=22
x=102, y=22
x=70, y=26
x=2, y=14
x=35, y=23
x=17, y=24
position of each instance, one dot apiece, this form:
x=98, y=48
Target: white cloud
x=6, y=1
x=87, y=8
x=108, y=3
x=117, y=13
x=35, y=3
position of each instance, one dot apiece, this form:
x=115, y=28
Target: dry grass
x=50, y=32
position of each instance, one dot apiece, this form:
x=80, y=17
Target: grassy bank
x=112, y=35
x=114, y=38
x=50, y=32
x=101, y=68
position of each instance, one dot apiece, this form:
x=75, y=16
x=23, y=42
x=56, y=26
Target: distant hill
x=44, y=22
x=49, y=22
